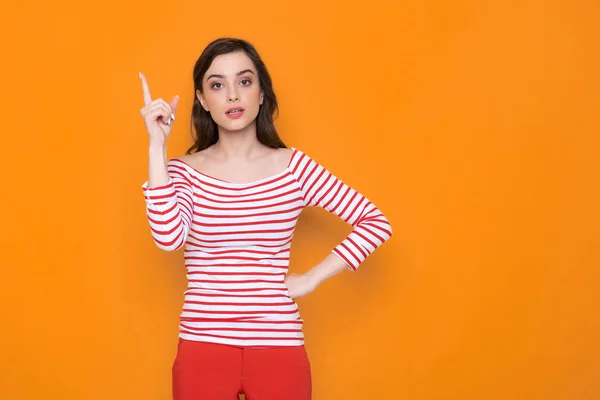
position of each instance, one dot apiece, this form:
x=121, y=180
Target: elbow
x=164, y=247
x=171, y=242
x=385, y=227
x=388, y=229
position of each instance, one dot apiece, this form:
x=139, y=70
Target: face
x=232, y=91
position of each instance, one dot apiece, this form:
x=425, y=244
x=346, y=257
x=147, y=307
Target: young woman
x=233, y=201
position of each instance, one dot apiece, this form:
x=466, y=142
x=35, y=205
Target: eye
x=246, y=80
x=213, y=85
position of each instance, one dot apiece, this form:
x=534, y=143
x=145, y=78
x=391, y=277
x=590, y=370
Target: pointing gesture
x=158, y=115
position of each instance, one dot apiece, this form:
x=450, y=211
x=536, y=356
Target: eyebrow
x=238, y=74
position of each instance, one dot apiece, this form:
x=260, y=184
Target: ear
x=202, y=100
x=262, y=97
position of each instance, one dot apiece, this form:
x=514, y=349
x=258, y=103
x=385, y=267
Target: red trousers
x=209, y=371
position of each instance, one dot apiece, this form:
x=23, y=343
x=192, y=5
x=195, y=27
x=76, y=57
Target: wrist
x=157, y=146
x=157, y=149
x=312, y=278
x=330, y=266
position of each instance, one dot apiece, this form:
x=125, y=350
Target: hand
x=158, y=115
x=298, y=285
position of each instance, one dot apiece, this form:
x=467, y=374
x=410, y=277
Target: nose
x=232, y=96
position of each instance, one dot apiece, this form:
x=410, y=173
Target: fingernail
x=173, y=116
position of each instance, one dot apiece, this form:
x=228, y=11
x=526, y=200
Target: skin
x=238, y=156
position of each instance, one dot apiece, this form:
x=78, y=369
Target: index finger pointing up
x=146, y=90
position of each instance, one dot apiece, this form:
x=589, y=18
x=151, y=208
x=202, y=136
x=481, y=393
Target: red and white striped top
x=237, y=239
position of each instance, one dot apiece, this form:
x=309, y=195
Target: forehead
x=230, y=64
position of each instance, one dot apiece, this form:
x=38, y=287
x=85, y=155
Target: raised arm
x=169, y=192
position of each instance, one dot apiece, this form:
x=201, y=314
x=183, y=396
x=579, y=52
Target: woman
x=233, y=201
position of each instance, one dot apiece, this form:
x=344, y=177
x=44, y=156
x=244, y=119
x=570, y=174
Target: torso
x=236, y=224
x=270, y=162
x=237, y=250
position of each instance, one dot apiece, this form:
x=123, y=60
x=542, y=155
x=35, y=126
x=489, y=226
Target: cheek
x=211, y=100
x=256, y=96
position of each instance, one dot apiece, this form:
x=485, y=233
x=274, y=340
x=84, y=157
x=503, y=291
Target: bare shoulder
x=283, y=156
x=195, y=160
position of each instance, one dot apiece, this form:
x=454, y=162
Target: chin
x=234, y=125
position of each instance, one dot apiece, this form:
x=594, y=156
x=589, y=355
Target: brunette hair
x=204, y=130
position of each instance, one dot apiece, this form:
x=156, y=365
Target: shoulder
x=296, y=157
x=183, y=167
x=283, y=156
x=276, y=158
x=193, y=161
x=305, y=168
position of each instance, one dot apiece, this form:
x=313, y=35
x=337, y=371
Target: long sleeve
x=170, y=207
x=321, y=188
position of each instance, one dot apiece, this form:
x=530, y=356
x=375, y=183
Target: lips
x=235, y=112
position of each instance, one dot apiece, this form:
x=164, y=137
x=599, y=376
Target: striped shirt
x=237, y=239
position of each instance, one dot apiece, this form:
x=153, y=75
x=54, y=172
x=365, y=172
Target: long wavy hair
x=204, y=129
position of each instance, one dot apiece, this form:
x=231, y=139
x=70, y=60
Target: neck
x=237, y=145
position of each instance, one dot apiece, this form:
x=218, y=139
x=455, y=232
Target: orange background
x=472, y=125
